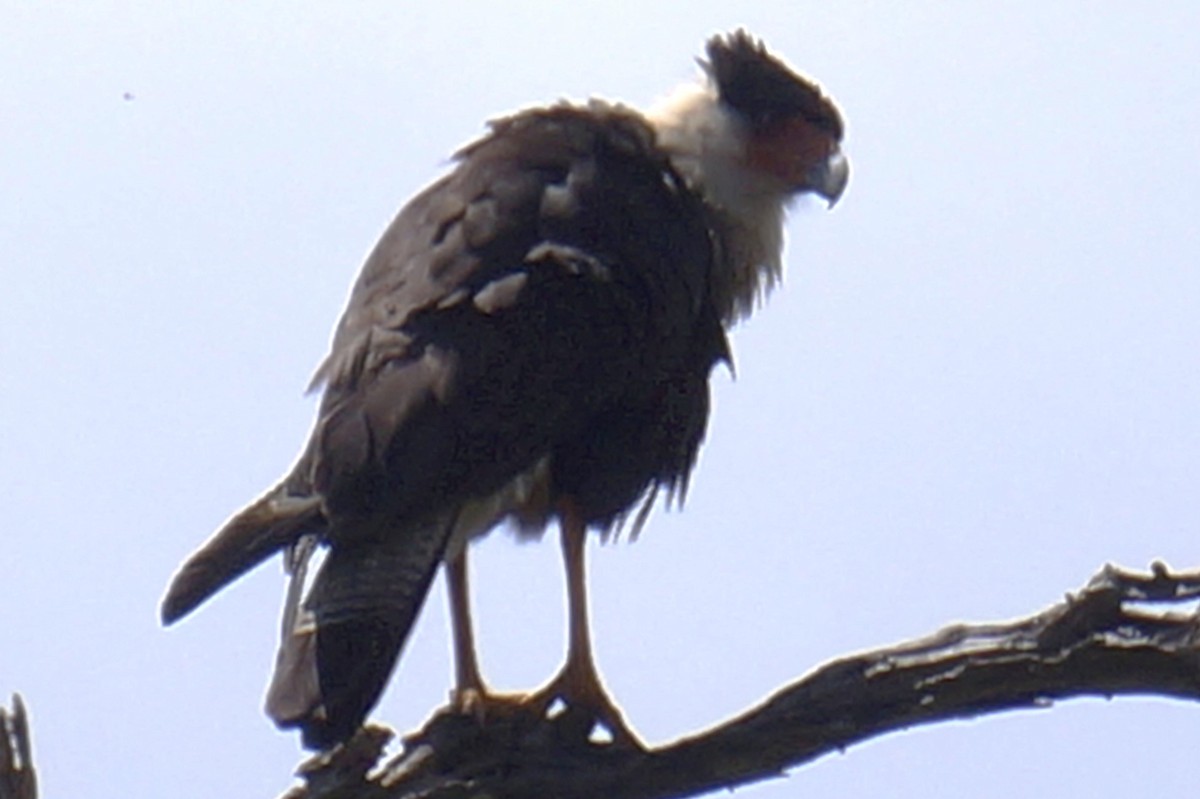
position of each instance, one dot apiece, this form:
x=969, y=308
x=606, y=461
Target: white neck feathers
x=706, y=143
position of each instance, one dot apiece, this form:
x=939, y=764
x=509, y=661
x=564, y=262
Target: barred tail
x=339, y=647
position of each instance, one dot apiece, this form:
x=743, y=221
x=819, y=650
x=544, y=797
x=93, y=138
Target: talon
x=585, y=704
x=469, y=702
x=587, y=707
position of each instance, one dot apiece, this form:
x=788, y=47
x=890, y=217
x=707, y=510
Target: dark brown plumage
x=531, y=339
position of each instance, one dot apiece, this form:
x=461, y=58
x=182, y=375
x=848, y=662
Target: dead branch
x=18, y=780
x=1109, y=639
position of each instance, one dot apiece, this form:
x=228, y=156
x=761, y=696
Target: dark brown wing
x=557, y=275
x=547, y=301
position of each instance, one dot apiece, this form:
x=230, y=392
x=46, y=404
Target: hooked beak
x=829, y=177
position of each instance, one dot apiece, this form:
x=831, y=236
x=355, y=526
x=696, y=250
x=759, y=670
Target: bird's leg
x=578, y=684
x=471, y=695
x=469, y=690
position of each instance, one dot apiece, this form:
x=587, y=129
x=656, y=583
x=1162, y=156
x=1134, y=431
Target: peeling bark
x=1121, y=634
x=1114, y=637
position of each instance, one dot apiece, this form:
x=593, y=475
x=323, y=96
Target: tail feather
x=294, y=687
x=258, y=531
x=340, y=647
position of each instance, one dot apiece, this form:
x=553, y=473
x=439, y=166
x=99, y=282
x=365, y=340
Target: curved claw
x=584, y=712
x=585, y=707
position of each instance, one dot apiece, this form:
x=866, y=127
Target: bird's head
x=754, y=127
x=749, y=138
x=791, y=132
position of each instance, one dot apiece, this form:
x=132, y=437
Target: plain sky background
x=978, y=383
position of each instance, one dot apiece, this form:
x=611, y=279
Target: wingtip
x=178, y=601
x=167, y=614
x=253, y=534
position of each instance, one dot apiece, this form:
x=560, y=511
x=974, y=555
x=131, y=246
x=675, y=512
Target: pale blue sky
x=979, y=382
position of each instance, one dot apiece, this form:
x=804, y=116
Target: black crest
x=761, y=87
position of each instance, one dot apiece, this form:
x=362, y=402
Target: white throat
x=706, y=143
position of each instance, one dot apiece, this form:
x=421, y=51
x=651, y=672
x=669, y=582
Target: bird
x=530, y=342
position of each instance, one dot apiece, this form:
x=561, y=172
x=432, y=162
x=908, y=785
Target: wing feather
x=540, y=313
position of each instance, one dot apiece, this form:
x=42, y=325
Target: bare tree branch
x=1109, y=639
x=18, y=780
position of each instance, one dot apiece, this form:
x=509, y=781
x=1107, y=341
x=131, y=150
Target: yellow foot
x=579, y=701
x=581, y=708
x=484, y=705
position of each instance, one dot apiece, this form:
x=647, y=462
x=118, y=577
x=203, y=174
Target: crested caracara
x=531, y=340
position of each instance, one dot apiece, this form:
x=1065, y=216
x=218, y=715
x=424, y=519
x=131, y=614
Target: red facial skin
x=790, y=149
